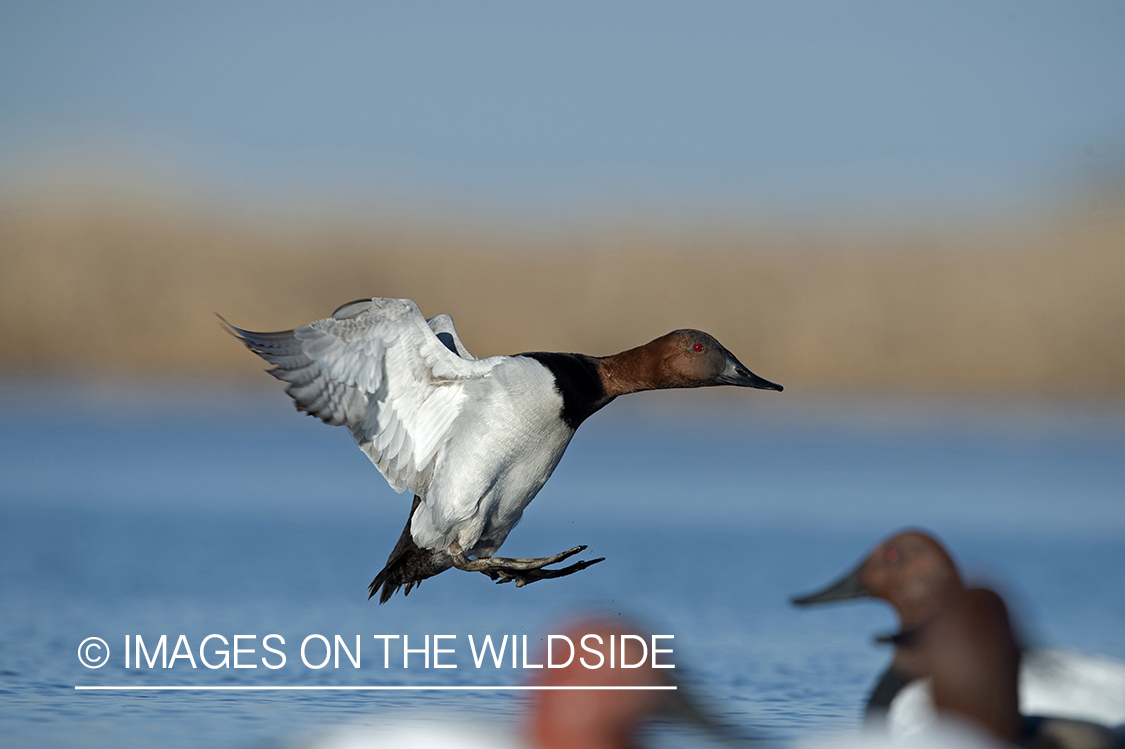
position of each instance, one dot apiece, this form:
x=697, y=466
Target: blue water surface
x=194, y=511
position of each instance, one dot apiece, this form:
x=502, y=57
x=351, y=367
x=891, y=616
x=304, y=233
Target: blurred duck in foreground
x=575, y=717
x=573, y=707
x=474, y=440
x=916, y=575
x=969, y=654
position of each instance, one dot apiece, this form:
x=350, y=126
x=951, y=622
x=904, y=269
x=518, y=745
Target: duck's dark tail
x=408, y=565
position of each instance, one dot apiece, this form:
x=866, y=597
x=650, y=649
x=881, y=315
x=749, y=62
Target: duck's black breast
x=578, y=382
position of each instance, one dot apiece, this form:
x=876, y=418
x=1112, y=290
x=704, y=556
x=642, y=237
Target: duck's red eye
x=892, y=555
x=697, y=347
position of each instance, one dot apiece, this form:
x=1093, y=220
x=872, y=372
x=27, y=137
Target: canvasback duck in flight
x=474, y=440
x=915, y=574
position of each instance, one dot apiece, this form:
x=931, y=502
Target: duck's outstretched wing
x=380, y=369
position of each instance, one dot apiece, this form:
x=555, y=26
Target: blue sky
x=546, y=107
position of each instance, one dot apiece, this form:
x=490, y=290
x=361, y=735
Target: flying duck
x=915, y=574
x=473, y=440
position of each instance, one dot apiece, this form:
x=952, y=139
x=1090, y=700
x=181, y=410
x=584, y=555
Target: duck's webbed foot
x=520, y=571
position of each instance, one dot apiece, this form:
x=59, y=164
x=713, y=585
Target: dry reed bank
x=105, y=287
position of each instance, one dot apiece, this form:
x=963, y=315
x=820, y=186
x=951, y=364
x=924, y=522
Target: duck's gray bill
x=844, y=589
x=736, y=374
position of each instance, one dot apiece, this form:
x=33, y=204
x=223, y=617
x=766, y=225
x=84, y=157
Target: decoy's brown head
x=911, y=570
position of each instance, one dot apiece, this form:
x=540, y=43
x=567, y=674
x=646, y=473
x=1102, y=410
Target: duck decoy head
x=605, y=707
x=911, y=571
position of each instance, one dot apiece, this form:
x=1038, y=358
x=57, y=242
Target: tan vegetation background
x=97, y=285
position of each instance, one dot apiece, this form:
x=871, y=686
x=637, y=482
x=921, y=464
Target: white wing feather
x=442, y=325
x=380, y=369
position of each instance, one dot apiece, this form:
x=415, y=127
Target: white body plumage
x=480, y=487
x=1055, y=683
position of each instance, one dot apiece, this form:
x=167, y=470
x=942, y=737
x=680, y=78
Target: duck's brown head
x=681, y=359
x=912, y=571
x=607, y=715
x=604, y=684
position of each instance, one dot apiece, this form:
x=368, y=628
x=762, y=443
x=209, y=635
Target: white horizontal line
x=400, y=688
